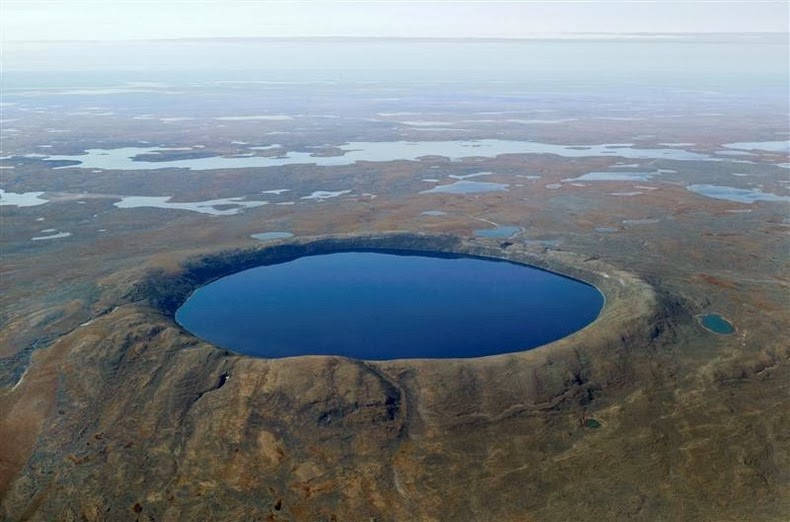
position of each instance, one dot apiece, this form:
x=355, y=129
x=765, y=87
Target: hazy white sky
x=135, y=19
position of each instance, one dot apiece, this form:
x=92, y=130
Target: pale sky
x=141, y=19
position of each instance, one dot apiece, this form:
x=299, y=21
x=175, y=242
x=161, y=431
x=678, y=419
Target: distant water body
x=502, y=231
x=376, y=305
x=130, y=158
x=736, y=194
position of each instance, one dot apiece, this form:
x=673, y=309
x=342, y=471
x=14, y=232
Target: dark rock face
x=145, y=422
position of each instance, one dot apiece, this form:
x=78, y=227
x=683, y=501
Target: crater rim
x=626, y=296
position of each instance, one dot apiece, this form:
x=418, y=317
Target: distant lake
x=138, y=158
x=377, y=305
x=502, y=231
x=736, y=194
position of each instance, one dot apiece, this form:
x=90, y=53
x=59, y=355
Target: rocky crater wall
x=163, y=426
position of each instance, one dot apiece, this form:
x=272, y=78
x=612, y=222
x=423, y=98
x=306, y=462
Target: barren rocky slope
x=128, y=417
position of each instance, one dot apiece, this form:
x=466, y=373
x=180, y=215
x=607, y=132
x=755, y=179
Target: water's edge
x=627, y=297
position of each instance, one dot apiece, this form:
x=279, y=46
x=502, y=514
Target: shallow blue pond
x=269, y=236
x=375, y=305
x=467, y=187
x=717, y=324
x=502, y=231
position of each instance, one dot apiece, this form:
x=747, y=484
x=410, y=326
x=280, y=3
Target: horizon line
x=534, y=36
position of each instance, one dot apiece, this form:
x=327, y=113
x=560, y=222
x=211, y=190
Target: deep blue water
x=374, y=305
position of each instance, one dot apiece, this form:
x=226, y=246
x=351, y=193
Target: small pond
x=717, y=324
x=501, y=231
